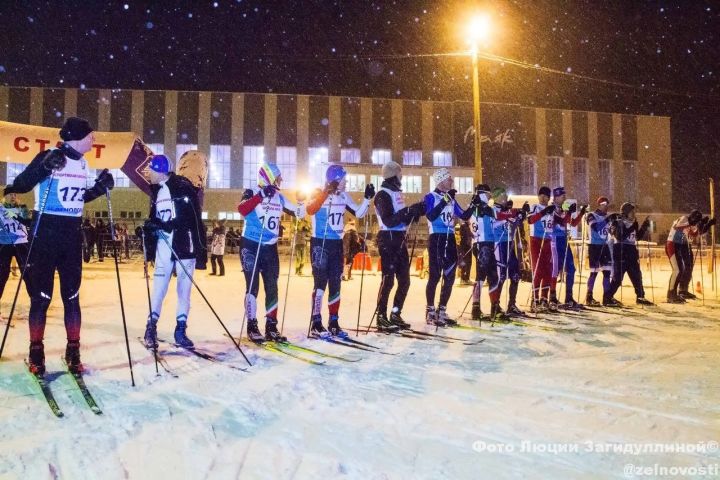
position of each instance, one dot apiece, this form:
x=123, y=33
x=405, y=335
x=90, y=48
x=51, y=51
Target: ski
x=160, y=360
x=435, y=336
x=359, y=346
x=300, y=348
x=80, y=382
x=358, y=342
x=275, y=348
x=46, y=391
x=397, y=333
x=203, y=355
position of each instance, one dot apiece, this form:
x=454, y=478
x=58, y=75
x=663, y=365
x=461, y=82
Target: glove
x=54, y=160
x=526, y=208
x=300, y=196
x=548, y=210
x=331, y=187
x=476, y=201
x=710, y=223
x=452, y=192
x=105, y=181
x=583, y=209
x=369, y=191
x=268, y=191
x=613, y=217
x=417, y=210
x=572, y=208
x=154, y=225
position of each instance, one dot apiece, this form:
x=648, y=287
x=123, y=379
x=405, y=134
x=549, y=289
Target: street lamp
x=478, y=32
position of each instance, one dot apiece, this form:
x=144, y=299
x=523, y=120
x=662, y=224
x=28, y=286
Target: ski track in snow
x=646, y=377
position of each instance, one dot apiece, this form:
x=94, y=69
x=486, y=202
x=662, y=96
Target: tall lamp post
x=478, y=31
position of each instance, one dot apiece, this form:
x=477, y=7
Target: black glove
x=105, y=181
x=268, y=191
x=613, y=217
x=526, y=208
x=476, y=201
x=710, y=223
x=154, y=225
x=572, y=208
x=369, y=191
x=583, y=209
x=331, y=187
x=417, y=210
x=548, y=210
x=452, y=192
x=54, y=160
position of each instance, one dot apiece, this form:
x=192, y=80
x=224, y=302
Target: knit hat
x=75, y=128
x=544, y=191
x=602, y=200
x=268, y=174
x=441, y=175
x=626, y=208
x=391, y=169
x=482, y=187
x=558, y=191
x=497, y=192
x=160, y=164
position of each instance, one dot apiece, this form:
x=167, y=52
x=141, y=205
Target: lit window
x=355, y=183
x=253, y=157
x=528, y=166
x=381, y=156
x=287, y=162
x=121, y=180
x=181, y=148
x=412, y=157
x=376, y=180
x=350, y=155
x=464, y=184
x=156, y=148
x=555, y=171
x=317, y=163
x=204, y=215
x=13, y=170
x=442, y=158
x=411, y=183
x=222, y=215
x=219, y=166
x=605, y=175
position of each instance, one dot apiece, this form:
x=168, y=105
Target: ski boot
x=334, y=328
x=271, y=332
x=673, y=297
x=316, y=329
x=36, y=358
x=476, y=314
x=430, y=315
x=687, y=295
x=611, y=302
x=396, y=319
x=572, y=305
x=536, y=306
x=591, y=302
x=552, y=305
x=514, y=311
x=644, y=301
x=442, y=319
x=253, y=331
x=150, y=339
x=72, y=357
x=181, y=338
x=384, y=324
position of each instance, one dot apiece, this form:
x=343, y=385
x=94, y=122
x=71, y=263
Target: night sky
x=669, y=52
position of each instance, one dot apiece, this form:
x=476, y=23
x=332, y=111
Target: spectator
x=217, y=247
x=100, y=233
x=303, y=236
x=352, y=245
x=89, y=239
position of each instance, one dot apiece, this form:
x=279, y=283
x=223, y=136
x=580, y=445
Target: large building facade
x=626, y=157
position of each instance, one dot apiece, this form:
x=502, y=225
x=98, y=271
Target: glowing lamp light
x=478, y=30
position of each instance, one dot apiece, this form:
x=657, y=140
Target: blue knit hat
x=558, y=191
x=160, y=164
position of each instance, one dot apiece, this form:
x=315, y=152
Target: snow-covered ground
x=648, y=380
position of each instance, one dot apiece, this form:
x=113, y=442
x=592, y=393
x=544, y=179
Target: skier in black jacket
x=60, y=179
x=174, y=220
x=394, y=218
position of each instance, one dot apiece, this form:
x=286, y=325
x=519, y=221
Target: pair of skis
x=422, y=335
x=47, y=393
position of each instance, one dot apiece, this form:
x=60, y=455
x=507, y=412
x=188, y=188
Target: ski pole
x=182, y=265
x=27, y=261
x=248, y=293
x=147, y=285
x=702, y=276
x=362, y=275
x=290, y=266
x=652, y=282
x=582, y=260
x=117, y=275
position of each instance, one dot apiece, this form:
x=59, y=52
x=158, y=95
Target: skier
x=543, y=217
x=441, y=210
x=481, y=224
x=60, y=179
x=262, y=208
x=626, y=232
x=394, y=218
x=218, y=248
x=598, y=250
x=13, y=238
x=565, y=261
x=678, y=248
x=326, y=246
x=174, y=221
x=508, y=250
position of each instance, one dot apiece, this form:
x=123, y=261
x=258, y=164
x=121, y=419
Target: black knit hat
x=75, y=128
x=544, y=191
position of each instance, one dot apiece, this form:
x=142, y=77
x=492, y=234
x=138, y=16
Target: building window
x=630, y=180
x=121, y=180
x=287, y=162
x=376, y=180
x=581, y=180
x=219, y=166
x=381, y=156
x=156, y=148
x=464, y=184
x=412, y=157
x=350, y=155
x=13, y=170
x=181, y=148
x=528, y=167
x=253, y=157
x=555, y=171
x=229, y=216
x=411, y=183
x=355, y=182
x=605, y=177
x=442, y=158
x=318, y=158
